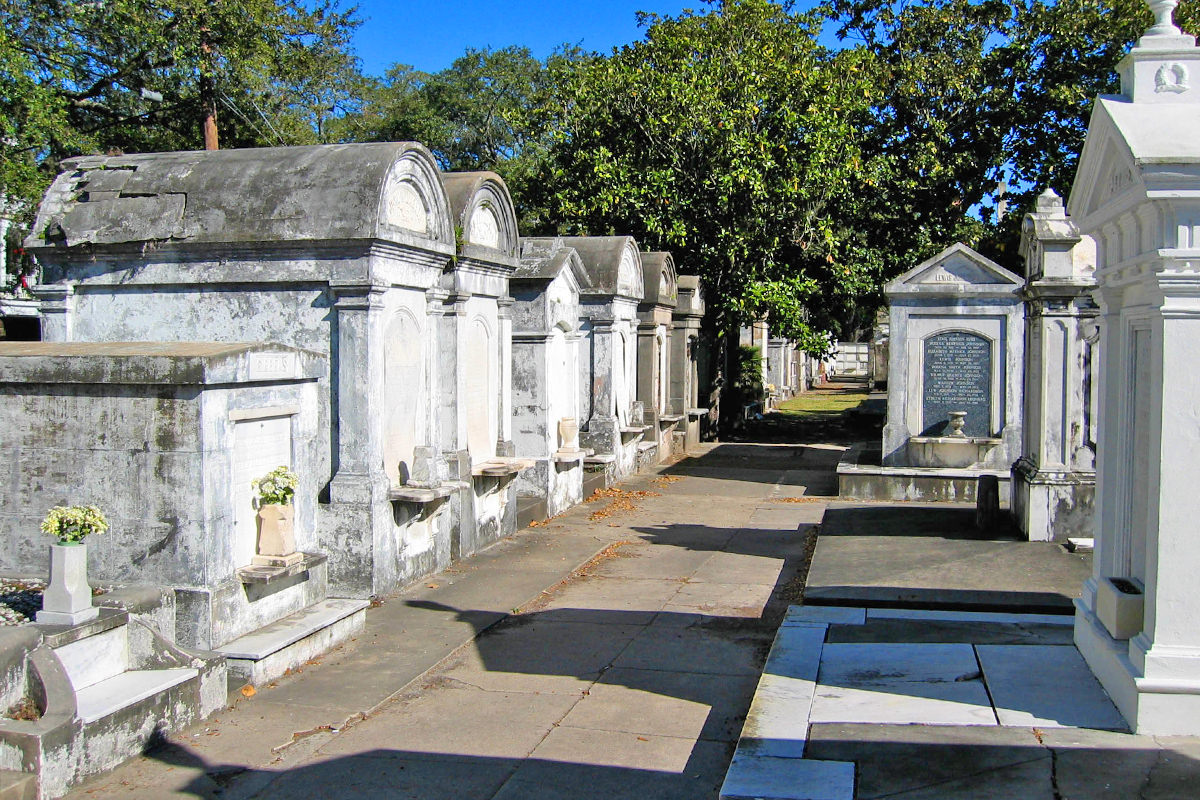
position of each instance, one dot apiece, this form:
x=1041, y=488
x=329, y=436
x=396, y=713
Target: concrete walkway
x=610, y=653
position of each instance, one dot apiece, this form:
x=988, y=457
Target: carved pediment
x=957, y=268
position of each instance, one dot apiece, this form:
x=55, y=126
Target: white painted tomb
x=546, y=367
x=1138, y=195
x=1053, y=483
x=611, y=421
x=957, y=328
x=687, y=350
x=475, y=359
x=339, y=250
x=661, y=295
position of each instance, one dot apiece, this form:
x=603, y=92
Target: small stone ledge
x=644, y=446
x=501, y=467
x=55, y=636
x=697, y=412
x=600, y=459
x=669, y=419
x=634, y=430
x=264, y=575
x=419, y=494
x=569, y=456
x=274, y=637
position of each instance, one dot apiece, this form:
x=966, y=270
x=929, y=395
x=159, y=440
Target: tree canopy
x=141, y=75
x=796, y=178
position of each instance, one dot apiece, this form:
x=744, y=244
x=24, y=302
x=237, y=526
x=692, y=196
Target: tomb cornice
x=357, y=296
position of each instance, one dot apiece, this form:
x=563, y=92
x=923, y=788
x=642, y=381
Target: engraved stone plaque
x=957, y=376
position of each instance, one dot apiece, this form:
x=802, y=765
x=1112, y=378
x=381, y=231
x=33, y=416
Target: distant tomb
x=956, y=337
x=957, y=325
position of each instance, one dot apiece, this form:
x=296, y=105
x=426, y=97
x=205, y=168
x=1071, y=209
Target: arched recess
x=663, y=374
x=482, y=210
x=482, y=400
x=413, y=198
x=406, y=402
x=620, y=379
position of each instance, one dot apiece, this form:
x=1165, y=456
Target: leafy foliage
x=729, y=137
x=73, y=524
x=140, y=75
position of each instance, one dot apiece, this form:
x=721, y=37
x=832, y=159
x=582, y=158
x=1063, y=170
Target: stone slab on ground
x=1046, y=686
x=936, y=684
x=929, y=556
x=770, y=778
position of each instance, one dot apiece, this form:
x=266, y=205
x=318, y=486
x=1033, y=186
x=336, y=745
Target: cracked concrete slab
x=937, y=684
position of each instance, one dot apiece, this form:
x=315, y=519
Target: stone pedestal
x=68, y=597
x=1138, y=194
x=1053, y=484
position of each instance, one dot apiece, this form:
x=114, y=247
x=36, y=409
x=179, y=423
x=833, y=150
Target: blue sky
x=430, y=35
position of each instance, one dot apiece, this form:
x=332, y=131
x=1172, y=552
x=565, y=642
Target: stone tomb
x=654, y=361
x=955, y=368
x=612, y=422
x=1054, y=479
x=958, y=325
x=166, y=438
x=687, y=348
x=546, y=365
x=474, y=313
x=1137, y=194
x=340, y=250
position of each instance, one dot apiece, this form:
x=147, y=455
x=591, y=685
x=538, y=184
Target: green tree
x=731, y=138
x=489, y=110
x=143, y=75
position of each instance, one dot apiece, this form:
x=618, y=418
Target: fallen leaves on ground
x=666, y=480
x=618, y=500
x=800, y=499
x=249, y=691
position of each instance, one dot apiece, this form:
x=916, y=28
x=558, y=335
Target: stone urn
x=276, y=535
x=68, y=597
x=568, y=433
x=958, y=420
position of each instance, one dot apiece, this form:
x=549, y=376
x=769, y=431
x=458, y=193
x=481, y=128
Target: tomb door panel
x=405, y=396
x=259, y=446
x=480, y=385
x=620, y=380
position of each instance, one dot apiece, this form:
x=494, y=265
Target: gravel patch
x=21, y=599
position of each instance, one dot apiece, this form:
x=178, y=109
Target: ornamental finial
x=1164, y=18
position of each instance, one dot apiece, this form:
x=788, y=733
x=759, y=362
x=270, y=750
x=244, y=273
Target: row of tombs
x=349, y=312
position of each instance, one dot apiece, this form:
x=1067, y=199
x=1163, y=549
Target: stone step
x=96, y=658
x=270, y=651
x=109, y=696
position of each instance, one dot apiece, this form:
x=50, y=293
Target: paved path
x=606, y=657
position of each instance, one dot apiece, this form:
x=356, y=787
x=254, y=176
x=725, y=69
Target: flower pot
x=276, y=536
x=68, y=597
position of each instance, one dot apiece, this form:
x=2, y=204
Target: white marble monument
x=1053, y=484
x=1138, y=194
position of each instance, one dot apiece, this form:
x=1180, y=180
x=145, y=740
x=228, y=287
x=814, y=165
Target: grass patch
x=822, y=404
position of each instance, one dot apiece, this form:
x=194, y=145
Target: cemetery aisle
x=628, y=676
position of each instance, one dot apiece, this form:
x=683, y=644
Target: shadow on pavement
x=943, y=520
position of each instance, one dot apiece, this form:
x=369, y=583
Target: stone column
x=56, y=303
x=359, y=484
x=1138, y=194
x=1054, y=479
x=602, y=434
